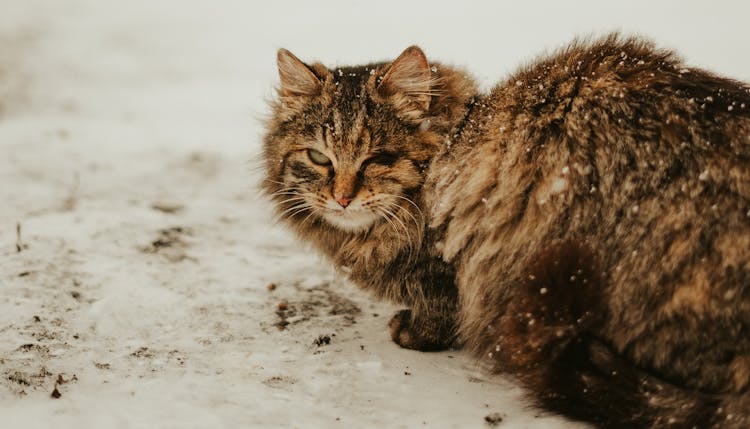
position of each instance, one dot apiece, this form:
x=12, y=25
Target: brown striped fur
x=583, y=227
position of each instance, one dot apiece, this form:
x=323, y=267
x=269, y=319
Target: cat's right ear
x=408, y=82
x=296, y=78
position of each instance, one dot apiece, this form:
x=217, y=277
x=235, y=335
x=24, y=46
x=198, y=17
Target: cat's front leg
x=424, y=328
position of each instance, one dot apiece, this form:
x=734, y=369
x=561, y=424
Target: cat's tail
x=543, y=339
x=588, y=381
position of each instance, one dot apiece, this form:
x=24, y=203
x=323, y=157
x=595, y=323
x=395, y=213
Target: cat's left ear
x=296, y=78
x=408, y=82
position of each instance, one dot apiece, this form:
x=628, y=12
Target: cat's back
x=604, y=192
x=594, y=126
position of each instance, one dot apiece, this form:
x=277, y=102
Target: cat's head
x=346, y=148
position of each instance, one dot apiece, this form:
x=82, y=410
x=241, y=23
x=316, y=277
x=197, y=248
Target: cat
x=583, y=227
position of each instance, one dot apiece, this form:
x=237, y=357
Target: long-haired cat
x=583, y=227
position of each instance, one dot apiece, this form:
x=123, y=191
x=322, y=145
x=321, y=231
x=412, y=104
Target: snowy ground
x=136, y=255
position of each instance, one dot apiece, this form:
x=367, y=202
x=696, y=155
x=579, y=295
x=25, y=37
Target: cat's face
x=348, y=147
x=350, y=186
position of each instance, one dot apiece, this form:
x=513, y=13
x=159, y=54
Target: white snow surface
x=128, y=136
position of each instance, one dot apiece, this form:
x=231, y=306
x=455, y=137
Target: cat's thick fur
x=584, y=226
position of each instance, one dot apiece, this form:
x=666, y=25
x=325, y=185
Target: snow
x=129, y=136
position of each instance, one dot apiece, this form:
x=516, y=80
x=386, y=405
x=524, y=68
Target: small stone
x=493, y=419
x=322, y=340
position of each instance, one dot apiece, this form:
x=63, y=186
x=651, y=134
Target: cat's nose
x=343, y=200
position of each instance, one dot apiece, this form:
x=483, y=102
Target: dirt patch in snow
x=280, y=382
x=297, y=304
x=170, y=243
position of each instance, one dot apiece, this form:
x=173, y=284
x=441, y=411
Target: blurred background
x=160, y=62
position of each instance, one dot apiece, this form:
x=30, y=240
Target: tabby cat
x=584, y=227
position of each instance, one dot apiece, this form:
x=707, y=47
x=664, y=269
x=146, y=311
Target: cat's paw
x=399, y=326
x=417, y=336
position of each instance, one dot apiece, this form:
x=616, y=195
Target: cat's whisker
x=417, y=224
x=294, y=200
x=421, y=214
x=288, y=188
x=301, y=210
x=294, y=191
x=286, y=192
x=291, y=215
x=403, y=225
x=410, y=245
x=390, y=204
x=295, y=209
x=400, y=197
x=309, y=215
x=255, y=166
x=385, y=216
x=396, y=209
x=281, y=194
x=275, y=182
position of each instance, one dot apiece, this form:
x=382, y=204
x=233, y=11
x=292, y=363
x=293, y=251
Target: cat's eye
x=318, y=158
x=383, y=158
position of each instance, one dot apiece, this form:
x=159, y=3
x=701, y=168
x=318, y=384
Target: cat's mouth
x=351, y=219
